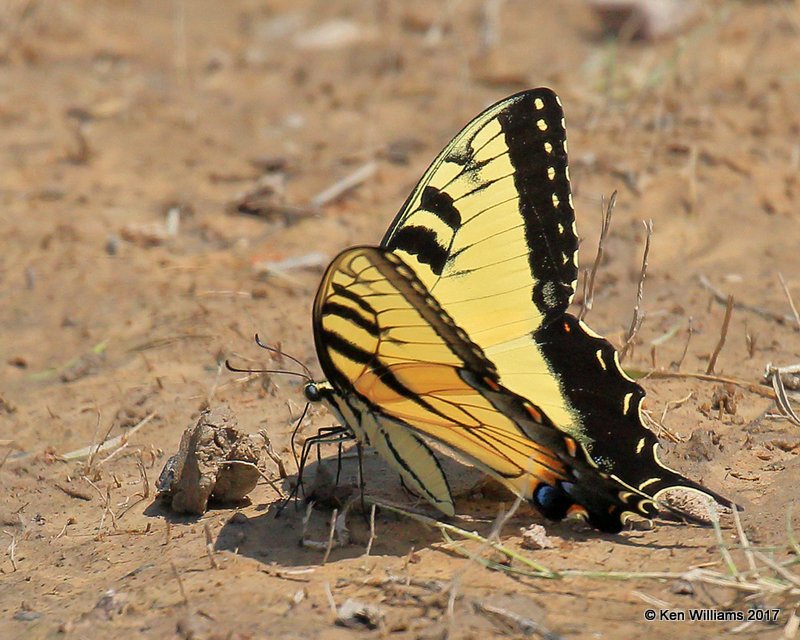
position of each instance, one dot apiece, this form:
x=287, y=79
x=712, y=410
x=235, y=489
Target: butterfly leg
x=339, y=463
x=361, y=483
x=325, y=435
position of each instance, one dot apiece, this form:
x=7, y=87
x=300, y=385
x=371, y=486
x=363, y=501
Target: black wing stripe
x=422, y=243
x=355, y=353
x=526, y=149
x=410, y=470
x=440, y=204
x=339, y=290
x=335, y=308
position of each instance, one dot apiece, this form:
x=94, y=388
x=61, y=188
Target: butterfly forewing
x=490, y=232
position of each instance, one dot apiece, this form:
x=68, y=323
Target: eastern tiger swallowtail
x=456, y=329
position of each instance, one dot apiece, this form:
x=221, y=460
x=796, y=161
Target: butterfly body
x=456, y=330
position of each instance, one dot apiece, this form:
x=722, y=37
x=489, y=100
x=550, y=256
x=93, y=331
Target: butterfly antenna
x=284, y=355
x=230, y=367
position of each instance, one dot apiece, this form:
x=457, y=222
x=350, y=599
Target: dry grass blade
x=588, y=297
x=371, y=531
x=638, y=316
x=331, y=534
x=93, y=450
x=73, y=492
x=106, y=498
x=180, y=583
x=446, y=529
x=781, y=397
x=331, y=601
x=5, y=457
x=672, y=404
x=745, y=544
x=791, y=302
x=273, y=456
x=723, y=334
x=12, y=549
x=793, y=542
x=501, y=520
x=210, y=546
x=689, y=332
x=780, y=588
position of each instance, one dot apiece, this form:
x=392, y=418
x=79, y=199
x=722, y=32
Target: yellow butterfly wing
x=490, y=232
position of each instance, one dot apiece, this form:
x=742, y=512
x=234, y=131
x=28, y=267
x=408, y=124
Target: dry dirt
x=113, y=114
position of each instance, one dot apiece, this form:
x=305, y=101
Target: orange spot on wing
x=577, y=509
x=571, y=446
x=534, y=413
x=491, y=384
x=567, y=328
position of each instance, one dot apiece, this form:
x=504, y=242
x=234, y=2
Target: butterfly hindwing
x=610, y=404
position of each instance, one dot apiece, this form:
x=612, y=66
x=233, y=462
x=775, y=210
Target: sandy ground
x=113, y=114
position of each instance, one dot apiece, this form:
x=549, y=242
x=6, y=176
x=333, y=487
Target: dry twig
x=791, y=302
x=689, y=332
x=180, y=583
x=745, y=384
x=723, y=334
x=210, y=546
x=638, y=317
x=12, y=549
x=349, y=182
x=588, y=297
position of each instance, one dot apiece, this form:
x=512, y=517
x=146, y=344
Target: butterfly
x=455, y=329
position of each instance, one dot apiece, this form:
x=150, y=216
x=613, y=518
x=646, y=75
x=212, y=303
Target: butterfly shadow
x=295, y=533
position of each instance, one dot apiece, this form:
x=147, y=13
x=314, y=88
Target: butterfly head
x=317, y=391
